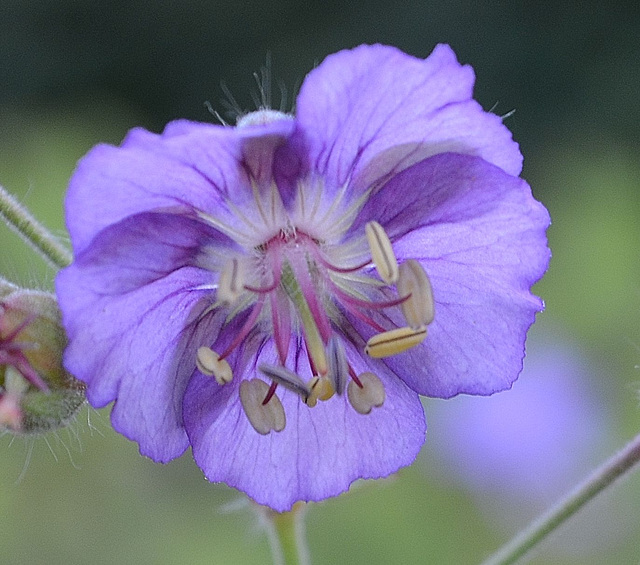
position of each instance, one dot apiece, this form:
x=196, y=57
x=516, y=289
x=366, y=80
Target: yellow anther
x=364, y=398
x=381, y=252
x=209, y=363
x=321, y=389
x=393, y=342
x=231, y=281
x=263, y=417
x=413, y=282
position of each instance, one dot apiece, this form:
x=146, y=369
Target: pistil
x=315, y=343
x=302, y=276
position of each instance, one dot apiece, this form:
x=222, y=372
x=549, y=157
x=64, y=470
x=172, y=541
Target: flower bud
x=37, y=394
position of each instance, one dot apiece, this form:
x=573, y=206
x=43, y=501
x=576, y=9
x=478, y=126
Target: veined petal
x=480, y=236
x=371, y=112
x=320, y=452
x=148, y=246
x=150, y=172
x=445, y=188
x=253, y=146
x=132, y=311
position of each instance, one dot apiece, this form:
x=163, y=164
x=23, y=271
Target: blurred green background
x=74, y=73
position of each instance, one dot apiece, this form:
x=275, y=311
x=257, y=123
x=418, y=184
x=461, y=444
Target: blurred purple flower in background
x=262, y=292
x=518, y=453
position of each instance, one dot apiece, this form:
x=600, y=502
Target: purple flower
x=531, y=445
x=228, y=281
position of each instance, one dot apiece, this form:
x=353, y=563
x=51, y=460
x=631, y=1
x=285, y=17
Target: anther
x=413, y=282
x=209, y=363
x=371, y=393
x=337, y=364
x=381, y=252
x=231, y=281
x=393, y=342
x=263, y=417
x=286, y=378
x=321, y=389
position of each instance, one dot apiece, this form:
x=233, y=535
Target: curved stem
x=32, y=231
x=287, y=536
x=602, y=477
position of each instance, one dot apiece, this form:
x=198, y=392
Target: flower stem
x=602, y=477
x=32, y=231
x=287, y=536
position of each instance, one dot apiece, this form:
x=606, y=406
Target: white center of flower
x=262, y=118
x=299, y=275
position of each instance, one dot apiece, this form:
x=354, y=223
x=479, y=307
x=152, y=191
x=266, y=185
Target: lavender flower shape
x=262, y=292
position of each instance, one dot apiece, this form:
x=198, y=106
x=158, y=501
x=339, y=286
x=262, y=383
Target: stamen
x=361, y=315
x=286, y=378
x=413, y=283
x=381, y=252
x=321, y=389
x=394, y=341
x=338, y=364
x=272, y=390
x=281, y=322
x=209, y=363
x=263, y=289
x=370, y=304
x=230, y=284
x=263, y=417
x=326, y=263
x=371, y=393
x=246, y=328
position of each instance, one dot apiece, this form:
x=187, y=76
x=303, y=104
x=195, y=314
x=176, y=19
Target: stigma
x=300, y=281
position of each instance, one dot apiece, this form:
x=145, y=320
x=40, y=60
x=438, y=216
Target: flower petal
x=132, y=314
x=480, y=236
x=189, y=166
x=321, y=451
x=370, y=112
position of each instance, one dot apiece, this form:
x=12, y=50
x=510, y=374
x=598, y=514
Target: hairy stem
x=540, y=528
x=287, y=536
x=32, y=231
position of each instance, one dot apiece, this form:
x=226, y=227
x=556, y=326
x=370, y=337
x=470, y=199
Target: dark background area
x=552, y=62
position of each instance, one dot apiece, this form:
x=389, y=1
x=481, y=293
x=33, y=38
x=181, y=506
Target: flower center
x=297, y=282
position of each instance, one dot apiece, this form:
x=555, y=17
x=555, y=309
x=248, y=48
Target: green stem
x=602, y=477
x=287, y=536
x=32, y=231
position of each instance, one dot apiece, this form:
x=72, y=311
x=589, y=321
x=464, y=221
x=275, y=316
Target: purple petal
x=133, y=321
x=516, y=444
x=146, y=247
x=112, y=183
x=373, y=111
x=321, y=451
x=257, y=145
x=480, y=236
x=189, y=166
